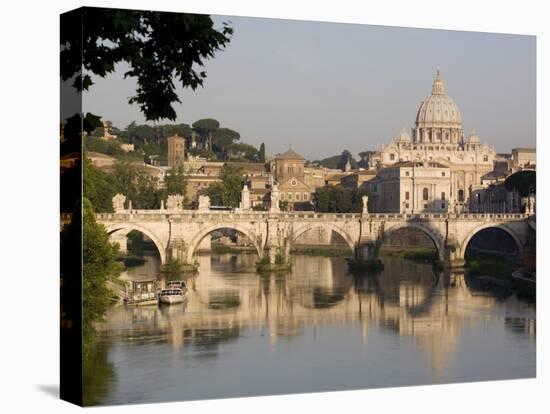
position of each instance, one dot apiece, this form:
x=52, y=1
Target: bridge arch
x=256, y=240
x=435, y=237
x=307, y=227
x=507, y=229
x=125, y=228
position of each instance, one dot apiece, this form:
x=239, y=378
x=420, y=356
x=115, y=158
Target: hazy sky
x=326, y=87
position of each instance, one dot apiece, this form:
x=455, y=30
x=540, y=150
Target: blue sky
x=326, y=87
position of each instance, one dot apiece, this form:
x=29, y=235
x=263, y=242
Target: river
x=318, y=328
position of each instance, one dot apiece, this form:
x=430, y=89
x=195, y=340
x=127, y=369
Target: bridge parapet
x=262, y=215
x=181, y=231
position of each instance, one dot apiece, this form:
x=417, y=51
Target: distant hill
x=335, y=162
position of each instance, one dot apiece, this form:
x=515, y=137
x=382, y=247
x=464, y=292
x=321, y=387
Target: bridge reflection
x=407, y=299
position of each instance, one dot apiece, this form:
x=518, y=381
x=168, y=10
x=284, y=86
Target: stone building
x=314, y=176
x=176, y=150
x=437, y=137
x=289, y=172
x=412, y=187
x=358, y=179
x=524, y=158
x=287, y=165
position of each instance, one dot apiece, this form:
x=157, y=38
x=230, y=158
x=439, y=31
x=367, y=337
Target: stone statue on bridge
x=274, y=199
x=204, y=203
x=245, y=199
x=118, y=203
x=174, y=202
x=365, y=199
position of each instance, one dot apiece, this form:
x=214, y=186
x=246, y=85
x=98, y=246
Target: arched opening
x=492, y=251
x=142, y=256
x=224, y=244
x=325, y=240
x=410, y=242
x=135, y=241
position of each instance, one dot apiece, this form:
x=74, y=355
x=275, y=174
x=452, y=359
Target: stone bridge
x=177, y=233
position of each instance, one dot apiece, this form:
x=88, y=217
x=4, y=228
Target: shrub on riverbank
x=224, y=249
x=485, y=264
x=324, y=251
x=421, y=254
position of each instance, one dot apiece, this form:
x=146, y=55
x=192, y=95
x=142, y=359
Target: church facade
x=436, y=169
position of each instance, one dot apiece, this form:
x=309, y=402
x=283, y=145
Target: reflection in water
x=319, y=328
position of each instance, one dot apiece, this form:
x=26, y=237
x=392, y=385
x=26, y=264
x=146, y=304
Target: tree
x=98, y=188
x=205, y=128
x=524, y=182
x=261, y=153
x=73, y=128
x=337, y=161
x=159, y=48
x=344, y=158
x=183, y=130
x=98, y=265
x=176, y=181
x=222, y=140
x=138, y=186
x=97, y=144
x=241, y=151
x=124, y=179
x=338, y=199
x=147, y=193
x=228, y=191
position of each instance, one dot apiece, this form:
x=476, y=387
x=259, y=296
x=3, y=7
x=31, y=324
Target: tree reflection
x=99, y=377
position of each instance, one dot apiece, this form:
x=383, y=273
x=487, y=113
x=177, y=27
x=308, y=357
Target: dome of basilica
x=438, y=109
x=473, y=138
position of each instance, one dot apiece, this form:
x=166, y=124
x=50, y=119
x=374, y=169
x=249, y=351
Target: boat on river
x=141, y=293
x=179, y=284
x=172, y=295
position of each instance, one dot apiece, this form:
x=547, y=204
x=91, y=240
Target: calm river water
x=316, y=329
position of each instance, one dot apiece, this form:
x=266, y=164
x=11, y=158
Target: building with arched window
x=288, y=171
x=435, y=168
x=437, y=137
x=412, y=187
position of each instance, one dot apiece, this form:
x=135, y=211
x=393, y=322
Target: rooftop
x=290, y=154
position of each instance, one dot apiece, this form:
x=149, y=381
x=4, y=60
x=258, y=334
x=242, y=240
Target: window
x=407, y=173
x=425, y=206
x=443, y=174
x=425, y=194
x=289, y=196
x=392, y=157
x=485, y=158
x=406, y=195
x=406, y=205
x=443, y=195
x=443, y=206
x=461, y=195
